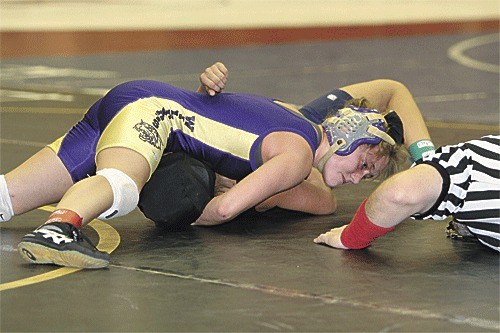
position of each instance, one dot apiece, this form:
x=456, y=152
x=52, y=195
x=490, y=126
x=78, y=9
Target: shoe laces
x=79, y=236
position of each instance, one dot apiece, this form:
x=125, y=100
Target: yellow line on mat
x=10, y=109
x=481, y=127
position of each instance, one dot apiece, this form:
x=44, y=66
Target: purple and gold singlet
x=225, y=131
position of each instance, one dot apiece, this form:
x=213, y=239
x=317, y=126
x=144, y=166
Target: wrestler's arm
x=213, y=80
x=393, y=95
x=410, y=192
x=280, y=150
x=310, y=196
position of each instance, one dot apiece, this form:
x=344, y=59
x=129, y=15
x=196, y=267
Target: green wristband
x=420, y=149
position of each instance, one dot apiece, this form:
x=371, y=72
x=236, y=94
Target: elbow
x=225, y=210
x=328, y=205
x=398, y=87
x=326, y=210
x=398, y=192
x=392, y=88
x=391, y=84
x=397, y=197
x=333, y=205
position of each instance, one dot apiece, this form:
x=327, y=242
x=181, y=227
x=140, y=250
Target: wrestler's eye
x=364, y=166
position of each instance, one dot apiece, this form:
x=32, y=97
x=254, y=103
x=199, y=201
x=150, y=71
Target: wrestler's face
x=351, y=169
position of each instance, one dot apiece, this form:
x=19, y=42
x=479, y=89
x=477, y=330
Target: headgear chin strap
x=351, y=127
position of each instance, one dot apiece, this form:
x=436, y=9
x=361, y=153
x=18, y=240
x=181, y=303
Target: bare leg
x=92, y=196
x=40, y=180
x=61, y=243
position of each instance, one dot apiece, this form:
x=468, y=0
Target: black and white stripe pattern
x=473, y=194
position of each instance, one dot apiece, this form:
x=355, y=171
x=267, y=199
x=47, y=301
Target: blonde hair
x=397, y=154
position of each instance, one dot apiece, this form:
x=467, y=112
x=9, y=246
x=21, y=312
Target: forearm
x=305, y=197
x=393, y=95
x=362, y=230
x=391, y=203
x=261, y=184
x=385, y=209
x=311, y=196
x=416, y=135
x=375, y=217
x=410, y=192
x=401, y=100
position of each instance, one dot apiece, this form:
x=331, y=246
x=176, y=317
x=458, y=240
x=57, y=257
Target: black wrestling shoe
x=61, y=244
x=459, y=231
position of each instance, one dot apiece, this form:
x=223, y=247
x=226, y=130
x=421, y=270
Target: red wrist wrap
x=361, y=231
x=65, y=215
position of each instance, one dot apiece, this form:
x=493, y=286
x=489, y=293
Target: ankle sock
x=66, y=215
x=6, y=209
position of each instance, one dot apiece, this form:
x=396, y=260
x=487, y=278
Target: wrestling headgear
x=351, y=127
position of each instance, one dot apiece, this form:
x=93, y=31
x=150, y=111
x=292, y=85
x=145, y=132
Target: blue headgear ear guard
x=351, y=127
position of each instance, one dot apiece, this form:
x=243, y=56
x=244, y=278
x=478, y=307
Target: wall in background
x=56, y=15
x=67, y=27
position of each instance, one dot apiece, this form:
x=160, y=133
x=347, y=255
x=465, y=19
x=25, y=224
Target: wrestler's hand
x=213, y=80
x=331, y=238
x=222, y=184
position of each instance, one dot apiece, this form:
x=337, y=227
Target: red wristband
x=361, y=231
x=65, y=215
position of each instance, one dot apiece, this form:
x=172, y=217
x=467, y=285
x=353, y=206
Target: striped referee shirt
x=471, y=187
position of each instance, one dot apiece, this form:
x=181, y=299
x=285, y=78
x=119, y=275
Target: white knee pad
x=6, y=209
x=125, y=193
